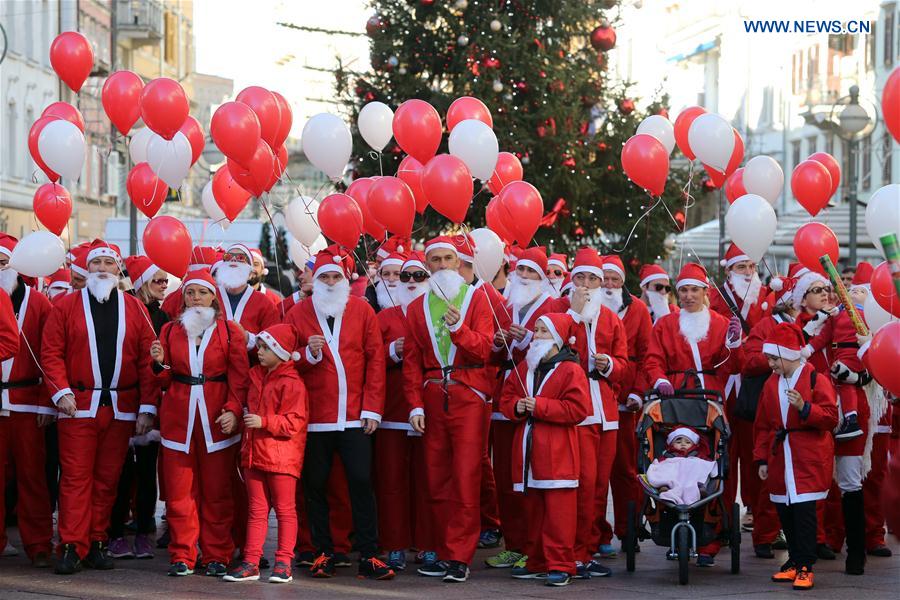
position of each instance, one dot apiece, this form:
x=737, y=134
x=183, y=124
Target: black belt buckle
x=445, y=386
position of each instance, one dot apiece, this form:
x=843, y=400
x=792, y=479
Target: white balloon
x=137, y=147
x=476, y=145
x=876, y=317
x=38, y=254
x=327, y=143
x=300, y=219
x=763, y=176
x=300, y=253
x=170, y=159
x=375, y=124
x=661, y=128
x=751, y=222
x=61, y=146
x=212, y=207
x=711, y=138
x=488, y=253
x=883, y=213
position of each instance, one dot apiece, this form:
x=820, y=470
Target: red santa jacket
x=70, y=361
x=221, y=360
x=798, y=448
x=9, y=330
x=279, y=398
x=755, y=362
x=270, y=294
x=392, y=322
x=28, y=393
x=254, y=312
x=287, y=304
x=638, y=329
x=751, y=314
x=471, y=339
x=561, y=403
x=817, y=358
x=838, y=339
x=500, y=319
x=346, y=383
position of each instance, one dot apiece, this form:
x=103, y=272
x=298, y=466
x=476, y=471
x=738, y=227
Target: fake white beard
x=446, y=284
x=53, y=292
x=330, y=300
x=196, y=320
x=611, y=298
x=659, y=303
x=523, y=292
x=100, y=285
x=233, y=275
x=406, y=296
x=536, y=351
x=747, y=289
x=592, y=306
x=694, y=326
x=387, y=293
x=8, y=280
x=556, y=286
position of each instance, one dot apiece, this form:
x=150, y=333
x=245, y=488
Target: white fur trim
x=587, y=269
x=614, y=268
x=557, y=263
x=440, y=246
x=776, y=284
x=6, y=251
x=146, y=276
x=414, y=263
x=735, y=260
x=805, y=282
x=274, y=346
x=653, y=277
x=689, y=434
x=391, y=262
x=549, y=325
x=683, y=282
x=328, y=268
x=103, y=251
x=78, y=270
x=243, y=249
x=524, y=262
x=198, y=281
x=781, y=351
x=197, y=267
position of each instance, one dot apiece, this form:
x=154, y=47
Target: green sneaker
x=505, y=560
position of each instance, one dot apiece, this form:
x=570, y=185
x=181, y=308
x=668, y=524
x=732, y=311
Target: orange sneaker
x=787, y=574
x=804, y=579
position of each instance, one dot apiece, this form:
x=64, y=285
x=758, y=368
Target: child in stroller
x=682, y=471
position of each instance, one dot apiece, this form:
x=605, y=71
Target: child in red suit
x=275, y=420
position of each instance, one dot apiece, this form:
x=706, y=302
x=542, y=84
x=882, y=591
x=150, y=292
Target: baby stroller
x=683, y=528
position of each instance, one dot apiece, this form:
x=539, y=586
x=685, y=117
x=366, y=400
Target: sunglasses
x=160, y=281
x=819, y=289
x=417, y=276
x=660, y=287
x=241, y=258
x=555, y=273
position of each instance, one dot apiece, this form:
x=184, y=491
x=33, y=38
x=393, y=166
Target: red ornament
x=376, y=25
x=663, y=112
x=579, y=231
x=491, y=62
x=602, y=147
x=708, y=184
x=569, y=162
x=603, y=38
x=626, y=106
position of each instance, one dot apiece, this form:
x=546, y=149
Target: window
x=45, y=32
x=871, y=39
x=889, y=37
x=886, y=145
x=812, y=143
x=29, y=27
x=10, y=157
x=812, y=70
x=171, y=49
x=865, y=147
x=829, y=143
x=842, y=43
x=31, y=168
x=795, y=152
x=768, y=102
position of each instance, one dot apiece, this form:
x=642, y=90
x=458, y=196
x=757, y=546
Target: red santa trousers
x=240, y=503
x=199, y=501
x=872, y=487
x=606, y=456
x=454, y=450
x=338, y=511
x=265, y=491
x=393, y=492
x=740, y=458
x=766, y=524
x=586, y=539
x=91, y=455
x=513, y=513
x=623, y=477
x=423, y=515
x=490, y=516
x=22, y=445
x=552, y=523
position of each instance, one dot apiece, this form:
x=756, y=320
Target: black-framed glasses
x=555, y=272
x=661, y=287
x=819, y=289
x=417, y=276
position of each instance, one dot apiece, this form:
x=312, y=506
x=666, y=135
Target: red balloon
x=834, y=169
x=286, y=120
x=646, y=162
x=278, y=167
x=53, y=207
x=683, y=125
x=448, y=186
x=882, y=357
x=121, y=97
x=417, y=129
x=410, y=172
x=194, y=134
x=811, y=185
x=715, y=176
x=812, y=241
x=164, y=106
x=66, y=112
x=468, y=107
x=146, y=190
x=359, y=191
x=737, y=154
x=259, y=170
x=734, y=186
x=168, y=244
x=235, y=130
x=392, y=204
x=890, y=103
x=521, y=209
x=33, y=136
x=884, y=291
x=341, y=220
x=267, y=110
x=494, y=216
x=72, y=57
x=230, y=196
x=508, y=169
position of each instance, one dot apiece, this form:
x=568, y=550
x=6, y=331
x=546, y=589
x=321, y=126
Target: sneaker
x=605, y=551
x=373, y=568
x=98, y=557
x=120, y=548
x=504, y=560
x=432, y=567
x=322, y=567
x=848, y=430
x=804, y=580
x=10, y=550
x=180, y=569
x=882, y=551
x=558, y=579
x=68, y=562
x=281, y=573
x=244, y=572
x=763, y=551
x=780, y=542
x=143, y=546
x=824, y=552
x=216, y=569
x=595, y=569
x=263, y=563
x=420, y=557
x=489, y=538
x=457, y=572
x=162, y=542
x=522, y=572
x=40, y=560
x=706, y=560
x=341, y=560
x=747, y=522
x=305, y=558
x=786, y=574
x=397, y=560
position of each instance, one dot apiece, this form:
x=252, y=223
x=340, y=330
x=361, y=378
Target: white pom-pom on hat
x=723, y=262
x=572, y=340
x=336, y=259
x=354, y=276
x=776, y=284
x=295, y=356
x=765, y=306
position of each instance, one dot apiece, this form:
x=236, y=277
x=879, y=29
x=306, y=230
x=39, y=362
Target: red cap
x=692, y=274
x=395, y=259
x=733, y=255
x=140, y=270
x=512, y=255
x=863, y=276
x=202, y=257
x=333, y=259
x=559, y=260
x=652, y=272
x=79, y=260
x=611, y=262
x=587, y=261
x=415, y=259
x=785, y=341
x=536, y=259
x=796, y=270
x=200, y=277
x=561, y=326
x=100, y=248
x=782, y=287
x=282, y=340
x=442, y=242
x=240, y=249
x=465, y=246
x=7, y=244
x=394, y=244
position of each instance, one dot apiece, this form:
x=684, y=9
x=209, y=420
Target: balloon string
x=688, y=202
x=275, y=243
x=636, y=223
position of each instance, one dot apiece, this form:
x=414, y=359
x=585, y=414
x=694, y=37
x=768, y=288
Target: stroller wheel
x=735, y=540
x=630, y=537
x=684, y=554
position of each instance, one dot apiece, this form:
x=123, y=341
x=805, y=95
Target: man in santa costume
x=447, y=346
x=343, y=367
x=240, y=302
x=25, y=409
x=9, y=328
x=557, y=271
x=394, y=244
x=202, y=257
x=59, y=284
x=696, y=348
x=655, y=291
x=94, y=354
x=77, y=259
x=256, y=277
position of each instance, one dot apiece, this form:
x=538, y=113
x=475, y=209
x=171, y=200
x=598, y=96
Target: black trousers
x=798, y=521
x=138, y=473
x=355, y=450
x=51, y=464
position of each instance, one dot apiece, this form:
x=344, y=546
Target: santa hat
x=566, y=284
x=415, y=259
x=782, y=290
x=465, y=246
x=863, y=276
x=559, y=260
x=257, y=254
x=441, y=242
x=202, y=257
x=613, y=263
x=534, y=258
x=199, y=277
x=587, y=261
x=733, y=255
x=804, y=282
x=395, y=259
x=140, y=270
x=785, y=341
x=692, y=274
x=282, y=340
x=60, y=280
x=561, y=326
x=687, y=432
x=796, y=270
x=240, y=249
x=394, y=244
x=652, y=273
x=7, y=244
x=335, y=260
x=79, y=260
x=512, y=255
x=100, y=248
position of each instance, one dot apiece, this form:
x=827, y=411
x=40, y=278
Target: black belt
x=780, y=436
x=445, y=373
x=595, y=375
x=506, y=365
x=845, y=345
x=22, y=383
x=199, y=380
x=526, y=460
x=81, y=388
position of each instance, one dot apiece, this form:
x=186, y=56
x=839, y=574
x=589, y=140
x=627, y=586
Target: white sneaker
x=10, y=550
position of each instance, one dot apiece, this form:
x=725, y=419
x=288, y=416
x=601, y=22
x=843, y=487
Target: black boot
x=68, y=561
x=855, y=528
x=98, y=557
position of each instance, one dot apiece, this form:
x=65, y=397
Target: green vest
x=437, y=308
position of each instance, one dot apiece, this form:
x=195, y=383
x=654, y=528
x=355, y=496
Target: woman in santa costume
x=94, y=355
x=25, y=409
x=656, y=289
x=557, y=273
x=202, y=257
x=793, y=447
x=547, y=397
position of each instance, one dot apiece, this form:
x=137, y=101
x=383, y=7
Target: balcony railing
x=140, y=20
